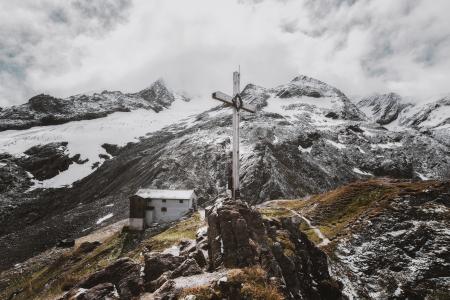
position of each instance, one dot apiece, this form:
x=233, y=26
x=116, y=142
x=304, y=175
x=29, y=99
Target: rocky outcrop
x=236, y=235
x=47, y=161
x=156, y=264
x=239, y=237
x=124, y=274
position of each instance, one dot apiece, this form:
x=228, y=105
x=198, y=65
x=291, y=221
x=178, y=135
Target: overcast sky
x=361, y=47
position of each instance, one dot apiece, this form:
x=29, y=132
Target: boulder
x=187, y=268
x=157, y=263
x=124, y=273
x=166, y=291
x=87, y=247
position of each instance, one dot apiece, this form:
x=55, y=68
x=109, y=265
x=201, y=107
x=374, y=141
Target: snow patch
x=337, y=145
x=361, y=172
x=86, y=137
x=305, y=150
x=389, y=145
x=102, y=219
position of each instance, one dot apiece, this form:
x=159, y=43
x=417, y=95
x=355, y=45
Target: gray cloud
x=365, y=46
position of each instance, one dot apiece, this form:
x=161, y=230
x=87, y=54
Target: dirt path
x=325, y=240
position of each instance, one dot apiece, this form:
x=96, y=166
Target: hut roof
x=165, y=194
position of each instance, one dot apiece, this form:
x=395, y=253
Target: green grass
x=274, y=212
x=186, y=229
x=50, y=281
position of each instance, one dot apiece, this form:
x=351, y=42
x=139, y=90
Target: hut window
x=181, y=201
x=164, y=200
x=163, y=208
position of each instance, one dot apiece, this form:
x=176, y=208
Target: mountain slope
x=306, y=138
x=42, y=110
x=388, y=237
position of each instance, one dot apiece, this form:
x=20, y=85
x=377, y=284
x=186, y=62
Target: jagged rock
x=239, y=237
x=124, y=273
x=157, y=263
x=187, y=268
x=166, y=291
x=236, y=235
x=157, y=283
x=199, y=257
x=187, y=246
x=111, y=149
x=100, y=291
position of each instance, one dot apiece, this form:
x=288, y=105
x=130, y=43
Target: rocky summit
x=377, y=167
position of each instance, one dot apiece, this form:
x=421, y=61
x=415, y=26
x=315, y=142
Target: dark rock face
x=383, y=109
x=111, y=149
x=238, y=237
x=399, y=252
x=303, y=265
x=123, y=273
x=47, y=161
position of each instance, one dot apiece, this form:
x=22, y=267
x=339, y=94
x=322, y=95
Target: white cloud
x=70, y=47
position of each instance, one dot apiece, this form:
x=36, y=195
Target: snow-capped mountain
x=307, y=137
x=47, y=110
x=138, y=114
x=382, y=109
x=392, y=110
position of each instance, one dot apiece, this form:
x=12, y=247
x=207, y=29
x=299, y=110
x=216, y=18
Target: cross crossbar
x=229, y=100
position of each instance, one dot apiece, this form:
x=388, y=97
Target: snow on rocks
x=102, y=219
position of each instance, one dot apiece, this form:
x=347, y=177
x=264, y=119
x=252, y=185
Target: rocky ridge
x=389, y=238
x=44, y=109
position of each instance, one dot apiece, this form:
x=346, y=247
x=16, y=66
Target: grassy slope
x=333, y=212
x=49, y=281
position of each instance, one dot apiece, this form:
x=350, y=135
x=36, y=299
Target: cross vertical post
x=236, y=119
x=236, y=103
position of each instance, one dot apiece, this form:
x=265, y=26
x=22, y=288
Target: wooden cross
x=237, y=104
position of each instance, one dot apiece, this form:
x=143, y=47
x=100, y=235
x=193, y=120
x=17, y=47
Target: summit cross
x=237, y=104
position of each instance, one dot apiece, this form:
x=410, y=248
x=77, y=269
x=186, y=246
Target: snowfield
x=86, y=137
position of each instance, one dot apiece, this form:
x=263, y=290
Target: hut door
x=149, y=216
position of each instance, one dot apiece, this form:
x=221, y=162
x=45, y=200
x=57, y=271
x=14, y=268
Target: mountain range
x=68, y=166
